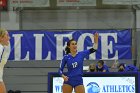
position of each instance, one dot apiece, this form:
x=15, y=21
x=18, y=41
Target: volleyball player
x=74, y=61
x=4, y=54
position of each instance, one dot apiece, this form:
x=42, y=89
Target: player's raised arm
x=95, y=37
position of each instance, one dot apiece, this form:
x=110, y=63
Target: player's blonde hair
x=2, y=32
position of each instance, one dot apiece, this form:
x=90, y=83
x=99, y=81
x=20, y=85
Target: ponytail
x=67, y=49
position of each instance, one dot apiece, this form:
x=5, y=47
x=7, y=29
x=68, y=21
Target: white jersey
x=4, y=55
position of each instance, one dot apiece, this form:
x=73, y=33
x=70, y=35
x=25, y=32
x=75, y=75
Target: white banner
x=29, y=3
x=76, y=2
x=101, y=84
x=121, y=2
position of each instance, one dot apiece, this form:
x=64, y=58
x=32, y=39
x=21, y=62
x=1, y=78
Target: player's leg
x=2, y=88
x=67, y=88
x=80, y=89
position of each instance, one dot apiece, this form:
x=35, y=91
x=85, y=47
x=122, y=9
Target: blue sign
x=50, y=45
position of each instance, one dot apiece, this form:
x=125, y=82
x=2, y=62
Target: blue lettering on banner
x=93, y=87
x=118, y=88
x=50, y=45
x=58, y=89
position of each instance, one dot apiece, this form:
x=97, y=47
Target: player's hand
x=65, y=78
x=96, y=36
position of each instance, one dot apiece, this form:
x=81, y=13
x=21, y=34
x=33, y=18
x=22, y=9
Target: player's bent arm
x=62, y=65
x=5, y=55
x=96, y=36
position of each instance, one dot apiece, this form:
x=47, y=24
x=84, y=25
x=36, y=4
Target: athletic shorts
x=74, y=81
